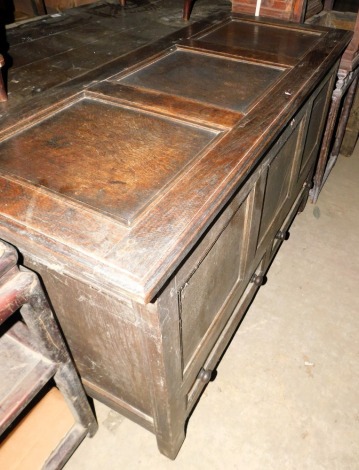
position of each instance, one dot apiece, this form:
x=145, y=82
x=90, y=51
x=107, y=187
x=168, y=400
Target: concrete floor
x=287, y=391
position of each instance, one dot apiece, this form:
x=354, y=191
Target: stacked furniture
x=33, y=353
x=160, y=188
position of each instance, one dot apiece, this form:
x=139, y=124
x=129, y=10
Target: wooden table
x=152, y=195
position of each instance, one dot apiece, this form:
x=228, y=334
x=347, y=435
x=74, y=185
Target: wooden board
x=33, y=440
x=282, y=44
x=213, y=79
x=115, y=165
x=108, y=149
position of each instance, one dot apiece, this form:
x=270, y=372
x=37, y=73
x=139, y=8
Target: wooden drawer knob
x=282, y=235
x=258, y=279
x=308, y=184
x=205, y=375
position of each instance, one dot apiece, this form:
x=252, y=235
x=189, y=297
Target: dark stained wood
x=187, y=8
x=213, y=79
x=151, y=100
x=78, y=41
x=104, y=171
x=157, y=187
x=281, y=44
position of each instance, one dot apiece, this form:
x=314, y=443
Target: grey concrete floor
x=287, y=391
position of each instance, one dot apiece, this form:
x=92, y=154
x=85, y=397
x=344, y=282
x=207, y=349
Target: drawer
x=280, y=179
x=282, y=233
x=205, y=294
x=211, y=282
x=316, y=122
x=203, y=373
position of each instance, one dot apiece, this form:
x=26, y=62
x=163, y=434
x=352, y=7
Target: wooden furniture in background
x=187, y=8
x=342, y=99
x=32, y=352
x=161, y=186
x=352, y=129
x=25, y=9
x=290, y=10
x=3, y=95
x=346, y=85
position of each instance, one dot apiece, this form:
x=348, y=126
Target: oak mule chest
x=152, y=194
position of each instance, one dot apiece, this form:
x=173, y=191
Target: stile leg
x=170, y=444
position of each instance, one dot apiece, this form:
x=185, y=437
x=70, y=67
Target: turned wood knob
x=282, y=235
x=308, y=184
x=205, y=375
x=258, y=279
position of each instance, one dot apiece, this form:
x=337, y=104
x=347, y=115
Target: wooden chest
x=152, y=194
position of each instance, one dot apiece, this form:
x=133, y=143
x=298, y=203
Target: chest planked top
x=116, y=175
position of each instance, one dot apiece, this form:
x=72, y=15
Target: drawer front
x=208, y=287
x=316, y=123
x=290, y=162
x=278, y=184
x=211, y=281
x=279, y=180
x=283, y=233
x=199, y=381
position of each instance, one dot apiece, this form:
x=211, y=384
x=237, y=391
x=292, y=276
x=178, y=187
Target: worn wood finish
x=274, y=45
x=158, y=186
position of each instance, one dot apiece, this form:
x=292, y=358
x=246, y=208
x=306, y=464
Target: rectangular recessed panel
x=278, y=183
x=206, y=291
x=316, y=122
x=113, y=159
x=219, y=81
x=281, y=42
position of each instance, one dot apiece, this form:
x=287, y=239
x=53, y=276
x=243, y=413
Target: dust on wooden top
x=119, y=184
x=112, y=159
